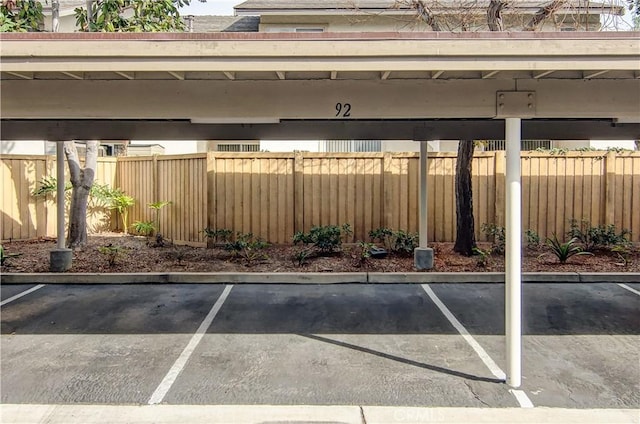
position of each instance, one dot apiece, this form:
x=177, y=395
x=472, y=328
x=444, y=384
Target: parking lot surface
x=351, y=344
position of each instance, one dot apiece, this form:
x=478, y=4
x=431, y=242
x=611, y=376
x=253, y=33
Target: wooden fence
x=273, y=195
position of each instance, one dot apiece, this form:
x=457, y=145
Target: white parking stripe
x=180, y=363
x=493, y=367
x=19, y=295
x=632, y=290
x=520, y=396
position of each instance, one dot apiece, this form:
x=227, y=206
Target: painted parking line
x=632, y=290
x=19, y=295
x=521, y=396
x=166, y=383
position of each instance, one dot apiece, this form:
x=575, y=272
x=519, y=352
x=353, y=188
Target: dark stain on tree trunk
x=465, y=228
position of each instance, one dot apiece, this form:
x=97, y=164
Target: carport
x=418, y=86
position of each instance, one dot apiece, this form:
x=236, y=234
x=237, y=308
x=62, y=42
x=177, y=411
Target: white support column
x=60, y=194
x=60, y=257
x=422, y=255
x=423, y=202
x=513, y=266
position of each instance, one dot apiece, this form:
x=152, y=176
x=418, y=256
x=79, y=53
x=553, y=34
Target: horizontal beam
x=294, y=99
x=312, y=130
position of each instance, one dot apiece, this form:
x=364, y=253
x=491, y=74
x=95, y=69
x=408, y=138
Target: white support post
x=55, y=15
x=513, y=242
x=423, y=255
x=60, y=194
x=423, y=194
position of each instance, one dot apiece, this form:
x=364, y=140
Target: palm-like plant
x=157, y=206
x=563, y=251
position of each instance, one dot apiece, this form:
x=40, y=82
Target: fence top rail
x=50, y=157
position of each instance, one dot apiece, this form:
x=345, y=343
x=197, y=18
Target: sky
x=211, y=7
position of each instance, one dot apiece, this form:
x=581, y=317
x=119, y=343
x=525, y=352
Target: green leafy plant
x=21, y=16
x=401, y=242
x=363, y=252
x=623, y=253
x=144, y=228
x=301, y=256
x=496, y=235
x=112, y=253
x=326, y=238
x=121, y=203
x=564, y=251
x=598, y=237
x=483, y=256
x=248, y=247
x=405, y=242
x=383, y=235
x=157, y=207
x=217, y=236
x=4, y=255
x=533, y=239
x=47, y=186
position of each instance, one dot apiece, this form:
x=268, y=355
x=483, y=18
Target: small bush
x=362, y=252
x=400, y=241
x=599, y=237
x=4, y=255
x=248, y=247
x=326, y=238
x=483, y=256
x=112, y=253
x=564, y=251
x=217, y=236
x=496, y=235
x=533, y=239
x=144, y=228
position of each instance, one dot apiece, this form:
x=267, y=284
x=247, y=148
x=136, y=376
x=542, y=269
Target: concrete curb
x=254, y=414
x=313, y=278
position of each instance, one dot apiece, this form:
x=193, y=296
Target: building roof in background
x=351, y=6
x=225, y=23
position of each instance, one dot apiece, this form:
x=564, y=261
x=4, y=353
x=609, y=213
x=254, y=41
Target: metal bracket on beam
x=515, y=104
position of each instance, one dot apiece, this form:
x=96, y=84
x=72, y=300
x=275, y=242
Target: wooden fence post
x=610, y=188
x=212, y=209
x=298, y=192
x=500, y=167
x=387, y=191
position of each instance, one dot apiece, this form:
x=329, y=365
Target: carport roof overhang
x=257, y=85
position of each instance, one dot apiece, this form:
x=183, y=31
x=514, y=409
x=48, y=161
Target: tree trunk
x=494, y=15
x=544, y=13
x=465, y=228
x=81, y=181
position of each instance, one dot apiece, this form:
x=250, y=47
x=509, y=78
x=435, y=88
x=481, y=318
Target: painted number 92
x=343, y=110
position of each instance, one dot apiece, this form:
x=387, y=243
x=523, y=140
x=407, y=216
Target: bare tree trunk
x=425, y=14
x=494, y=15
x=81, y=181
x=544, y=13
x=465, y=228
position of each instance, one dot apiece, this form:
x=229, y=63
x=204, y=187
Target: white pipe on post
x=423, y=195
x=513, y=244
x=55, y=15
x=60, y=192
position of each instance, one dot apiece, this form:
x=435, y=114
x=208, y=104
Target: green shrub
x=400, y=241
x=496, y=235
x=326, y=238
x=533, y=239
x=483, y=256
x=221, y=235
x=564, y=251
x=144, y=228
x=599, y=237
x=248, y=247
x=4, y=255
x=112, y=253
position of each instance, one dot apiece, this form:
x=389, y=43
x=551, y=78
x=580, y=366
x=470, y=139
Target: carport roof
x=257, y=56
x=404, y=84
